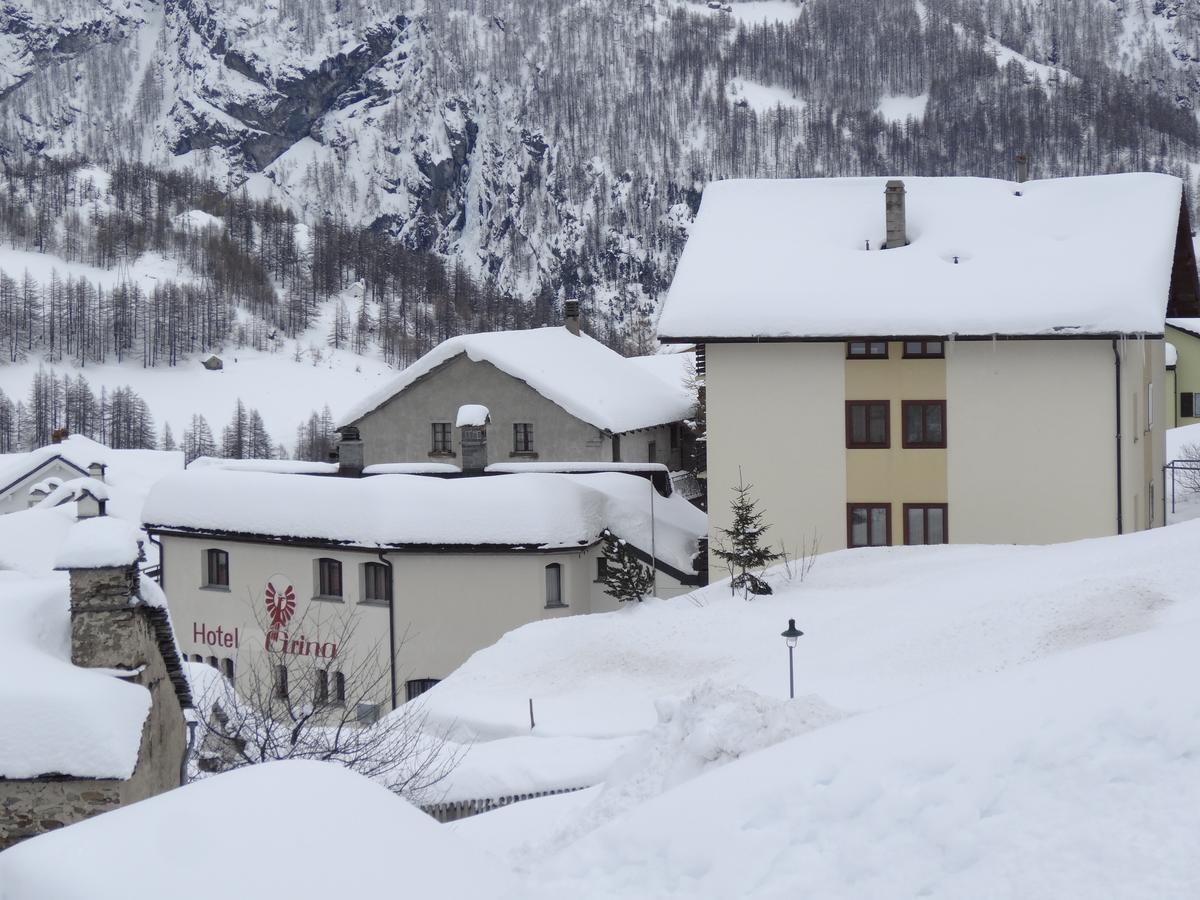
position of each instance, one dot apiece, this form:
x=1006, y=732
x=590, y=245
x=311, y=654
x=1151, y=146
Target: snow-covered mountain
x=562, y=144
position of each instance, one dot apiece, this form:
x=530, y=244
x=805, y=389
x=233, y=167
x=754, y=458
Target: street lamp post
x=791, y=635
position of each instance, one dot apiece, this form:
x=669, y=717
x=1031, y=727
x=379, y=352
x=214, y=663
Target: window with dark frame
x=924, y=423
x=339, y=687
x=652, y=451
x=321, y=687
x=868, y=524
x=227, y=664
x=522, y=437
x=375, y=582
x=329, y=578
x=866, y=349
x=1187, y=406
x=212, y=661
x=601, y=568
x=554, y=586
x=216, y=568
x=281, y=682
x=926, y=523
x=441, y=437
x=924, y=350
x=867, y=424
x=415, y=687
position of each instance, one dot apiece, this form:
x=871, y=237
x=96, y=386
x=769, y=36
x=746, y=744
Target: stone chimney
x=91, y=500
x=350, y=452
x=571, y=316
x=96, y=470
x=101, y=556
x=893, y=211
x=1022, y=168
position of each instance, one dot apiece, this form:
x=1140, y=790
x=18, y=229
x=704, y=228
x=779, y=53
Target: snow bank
x=539, y=510
x=99, y=542
x=580, y=374
x=787, y=258
x=54, y=716
x=297, y=829
x=31, y=538
x=280, y=466
x=1076, y=776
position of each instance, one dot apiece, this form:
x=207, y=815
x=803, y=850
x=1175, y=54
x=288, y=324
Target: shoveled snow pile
x=1061, y=256
x=298, y=829
x=577, y=372
x=543, y=510
x=56, y=717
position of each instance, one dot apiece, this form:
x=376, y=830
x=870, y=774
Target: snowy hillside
x=970, y=721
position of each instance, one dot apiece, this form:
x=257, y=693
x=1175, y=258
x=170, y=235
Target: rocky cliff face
x=564, y=143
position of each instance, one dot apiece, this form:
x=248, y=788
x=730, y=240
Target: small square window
x=867, y=424
x=601, y=568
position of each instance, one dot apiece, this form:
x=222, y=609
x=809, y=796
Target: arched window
x=212, y=661
x=216, y=568
x=339, y=687
x=554, y=586
x=228, y=666
x=329, y=579
x=196, y=657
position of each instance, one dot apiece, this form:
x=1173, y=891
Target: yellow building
x=936, y=359
x=1184, y=381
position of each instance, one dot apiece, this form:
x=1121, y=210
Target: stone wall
x=108, y=631
x=32, y=807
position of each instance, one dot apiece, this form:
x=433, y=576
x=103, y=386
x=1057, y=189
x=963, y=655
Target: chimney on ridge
x=96, y=470
x=1022, y=168
x=350, y=452
x=893, y=213
x=571, y=316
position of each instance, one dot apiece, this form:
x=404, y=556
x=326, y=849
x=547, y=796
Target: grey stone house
x=104, y=727
x=550, y=394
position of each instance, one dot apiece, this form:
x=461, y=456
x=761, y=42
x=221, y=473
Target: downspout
x=162, y=558
x=391, y=624
x=1117, y=410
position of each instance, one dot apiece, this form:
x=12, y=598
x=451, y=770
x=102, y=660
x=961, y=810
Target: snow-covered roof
x=56, y=717
x=521, y=510
x=301, y=829
x=789, y=259
x=577, y=372
x=282, y=466
x=1187, y=325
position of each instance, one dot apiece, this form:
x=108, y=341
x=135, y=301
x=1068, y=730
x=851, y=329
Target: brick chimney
x=571, y=316
x=893, y=212
x=350, y=452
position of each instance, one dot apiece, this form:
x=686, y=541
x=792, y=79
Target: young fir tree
x=625, y=577
x=740, y=546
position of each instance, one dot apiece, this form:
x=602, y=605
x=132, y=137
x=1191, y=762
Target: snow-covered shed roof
x=297, y=828
x=789, y=259
x=56, y=717
x=529, y=510
x=577, y=372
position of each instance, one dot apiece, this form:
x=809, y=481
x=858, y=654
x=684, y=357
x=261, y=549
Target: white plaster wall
x=17, y=497
x=1031, y=440
x=777, y=411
